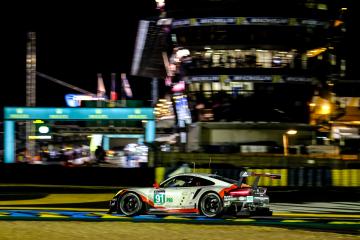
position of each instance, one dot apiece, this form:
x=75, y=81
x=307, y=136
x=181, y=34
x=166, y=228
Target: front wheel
x=130, y=204
x=211, y=205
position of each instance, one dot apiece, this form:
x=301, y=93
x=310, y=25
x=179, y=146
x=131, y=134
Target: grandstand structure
x=245, y=62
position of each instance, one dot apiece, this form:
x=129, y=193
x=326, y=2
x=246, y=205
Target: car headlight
x=112, y=202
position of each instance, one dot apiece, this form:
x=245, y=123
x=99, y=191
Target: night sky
x=74, y=43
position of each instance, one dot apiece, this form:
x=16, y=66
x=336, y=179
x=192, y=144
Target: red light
x=240, y=192
x=178, y=87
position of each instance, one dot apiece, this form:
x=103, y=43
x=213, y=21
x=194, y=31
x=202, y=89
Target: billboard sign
x=32, y=113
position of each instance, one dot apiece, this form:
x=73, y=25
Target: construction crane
x=55, y=80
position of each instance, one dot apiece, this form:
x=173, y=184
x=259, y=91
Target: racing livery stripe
x=196, y=193
x=148, y=201
x=181, y=210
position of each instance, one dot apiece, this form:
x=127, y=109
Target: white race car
x=210, y=195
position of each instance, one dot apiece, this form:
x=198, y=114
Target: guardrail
x=290, y=177
x=103, y=176
x=168, y=159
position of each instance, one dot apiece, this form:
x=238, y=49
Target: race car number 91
x=159, y=197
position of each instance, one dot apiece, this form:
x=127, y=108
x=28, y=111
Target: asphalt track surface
x=340, y=213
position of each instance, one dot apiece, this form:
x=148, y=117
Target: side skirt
x=173, y=211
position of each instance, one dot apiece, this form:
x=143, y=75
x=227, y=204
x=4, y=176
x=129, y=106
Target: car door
x=182, y=193
x=169, y=195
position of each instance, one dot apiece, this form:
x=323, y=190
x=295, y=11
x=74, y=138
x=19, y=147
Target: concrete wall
x=92, y=176
x=223, y=136
x=201, y=134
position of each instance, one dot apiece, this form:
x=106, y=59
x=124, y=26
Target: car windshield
x=186, y=181
x=228, y=180
x=179, y=181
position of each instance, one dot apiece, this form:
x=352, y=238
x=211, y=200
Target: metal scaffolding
x=30, y=89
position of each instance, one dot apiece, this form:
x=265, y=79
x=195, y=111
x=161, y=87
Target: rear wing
x=245, y=174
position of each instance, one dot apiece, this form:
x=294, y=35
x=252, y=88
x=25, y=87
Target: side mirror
x=156, y=185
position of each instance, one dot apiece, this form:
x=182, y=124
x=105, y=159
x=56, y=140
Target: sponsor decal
x=250, y=199
x=230, y=198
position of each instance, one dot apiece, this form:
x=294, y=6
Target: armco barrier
x=253, y=160
x=345, y=177
x=309, y=177
x=96, y=176
x=106, y=176
x=162, y=173
x=292, y=177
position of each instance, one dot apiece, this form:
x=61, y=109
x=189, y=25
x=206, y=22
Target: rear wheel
x=211, y=205
x=130, y=204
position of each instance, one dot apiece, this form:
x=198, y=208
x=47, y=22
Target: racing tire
x=211, y=205
x=130, y=204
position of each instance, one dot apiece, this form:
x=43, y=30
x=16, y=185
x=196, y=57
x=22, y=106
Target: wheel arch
x=120, y=195
x=202, y=196
x=209, y=191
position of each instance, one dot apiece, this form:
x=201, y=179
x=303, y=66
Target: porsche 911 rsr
x=210, y=195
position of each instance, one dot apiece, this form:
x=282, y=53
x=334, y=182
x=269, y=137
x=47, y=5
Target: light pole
x=286, y=140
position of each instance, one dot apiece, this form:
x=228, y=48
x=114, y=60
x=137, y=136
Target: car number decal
x=159, y=197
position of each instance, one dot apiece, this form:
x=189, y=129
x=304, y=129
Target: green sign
x=30, y=113
x=159, y=197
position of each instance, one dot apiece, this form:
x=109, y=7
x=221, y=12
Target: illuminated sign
x=178, y=87
x=214, y=21
x=74, y=100
x=43, y=137
x=299, y=79
x=265, y=78
x=263, y=21
x=11, y=114
x=182, y=110
x=31, y=113
x=248, y=78
x=164, y=21
x=248, y=21
x=203, y=78
x=44, y=129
